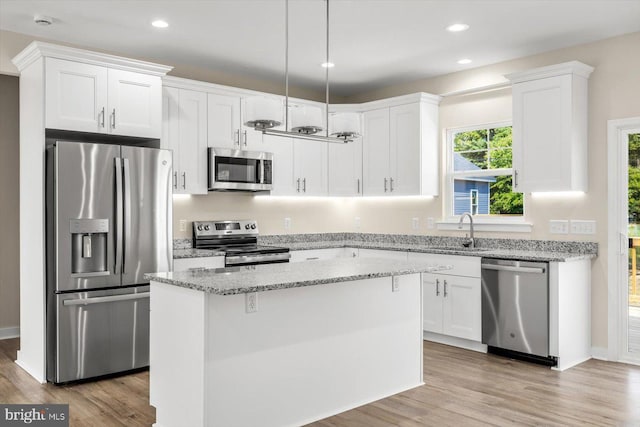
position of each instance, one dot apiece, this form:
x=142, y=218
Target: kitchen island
x=283, y=344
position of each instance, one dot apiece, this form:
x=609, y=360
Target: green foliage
x=492, y=149
x=634, y=178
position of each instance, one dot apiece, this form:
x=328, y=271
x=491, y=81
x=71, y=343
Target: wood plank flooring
x=463, y=388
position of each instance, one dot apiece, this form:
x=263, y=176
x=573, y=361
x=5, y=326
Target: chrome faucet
x=470, y=241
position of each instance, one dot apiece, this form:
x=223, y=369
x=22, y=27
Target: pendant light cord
x=326, y=78
x=286, y=65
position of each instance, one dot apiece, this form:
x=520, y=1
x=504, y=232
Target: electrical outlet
x=583, y=226
x=251, y=302
x=395, y=284
x=431, y=223
x=415, y=223
x=559, y=226
x=287, y=223
x=183, y=225
x=357, y=223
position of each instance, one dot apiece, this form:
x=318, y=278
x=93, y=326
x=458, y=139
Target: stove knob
x=206, y=227
x=253, y=226
x=246, y=226
x=199, y=228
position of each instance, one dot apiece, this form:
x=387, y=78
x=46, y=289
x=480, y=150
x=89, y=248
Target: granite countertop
x=258, y=278
x=515, y=254
x=195, y=253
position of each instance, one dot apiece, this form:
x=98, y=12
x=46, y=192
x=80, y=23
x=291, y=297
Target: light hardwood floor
x=463, y=388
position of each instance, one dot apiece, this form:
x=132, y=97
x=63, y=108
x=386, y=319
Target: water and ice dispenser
x=89, y=246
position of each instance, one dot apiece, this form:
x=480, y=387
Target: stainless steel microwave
x=237, y=170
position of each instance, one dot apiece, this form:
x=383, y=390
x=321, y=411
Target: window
x=480, y=172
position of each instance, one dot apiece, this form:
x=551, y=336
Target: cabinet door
x=432, y=303
x=310, y=166
x=345, y=169
x=223, y=121
x=404, y=150
x=542, y=135
x=76, y=96
x=462, y=315
x=192, y=178
x=282, y=169
x=375, y=153
x=135, y=103
x=250, y=139
x=170, y=139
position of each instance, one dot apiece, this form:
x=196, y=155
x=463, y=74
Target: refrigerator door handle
x=117, y=267
x=126, y=196
x=100, y=300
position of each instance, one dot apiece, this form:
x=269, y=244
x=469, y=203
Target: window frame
x=481, y=222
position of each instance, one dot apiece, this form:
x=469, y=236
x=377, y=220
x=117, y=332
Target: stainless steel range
x=239, y=241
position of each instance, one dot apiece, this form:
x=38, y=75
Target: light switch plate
x=559, y=226
x=415, y=223
x=431, y=223
x=183, y=225
x=287, y=223
x=357, y=223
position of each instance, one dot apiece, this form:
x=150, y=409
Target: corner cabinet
x=184, y=132
x=400, y=148
x=550, y=128
x=87, y=97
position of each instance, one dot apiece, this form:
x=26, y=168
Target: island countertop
x=266, y=277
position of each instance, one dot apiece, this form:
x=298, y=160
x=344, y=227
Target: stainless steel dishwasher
x=515, y=309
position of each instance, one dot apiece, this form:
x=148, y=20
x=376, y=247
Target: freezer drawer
x=97, y=333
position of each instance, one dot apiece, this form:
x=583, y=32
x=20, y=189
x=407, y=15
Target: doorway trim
x=617, y=239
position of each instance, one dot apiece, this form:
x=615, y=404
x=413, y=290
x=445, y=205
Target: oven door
x=239, y=170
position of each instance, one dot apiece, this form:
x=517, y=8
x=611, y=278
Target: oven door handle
x=513, y=269
x=262, y=258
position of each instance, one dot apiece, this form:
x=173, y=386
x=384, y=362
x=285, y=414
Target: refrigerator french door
x=108, y=223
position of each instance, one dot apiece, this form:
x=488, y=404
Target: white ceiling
x=374, y=43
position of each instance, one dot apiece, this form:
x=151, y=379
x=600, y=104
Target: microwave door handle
x=261, y=171
x=118, y=216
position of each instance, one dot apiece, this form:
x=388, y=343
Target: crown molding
x=37, y=49
x=576, y=68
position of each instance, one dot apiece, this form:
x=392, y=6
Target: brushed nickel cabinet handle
x=437, y=287
x=245, y=138
x=113, y=119
x=304, y=185
x=298, y=185
x=358, y=192
x=175, y=180
x=102, y=118
x=184, y=180
x=237, y=134
x=391, y=184
x=385, y=185
x=445, y=289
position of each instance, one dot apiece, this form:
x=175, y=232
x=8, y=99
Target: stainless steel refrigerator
x=108, y=223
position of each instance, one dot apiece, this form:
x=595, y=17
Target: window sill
x=504, y=226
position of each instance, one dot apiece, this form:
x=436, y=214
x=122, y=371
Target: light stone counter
x=258, y=278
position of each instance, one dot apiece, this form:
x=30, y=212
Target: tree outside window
x=482, y=161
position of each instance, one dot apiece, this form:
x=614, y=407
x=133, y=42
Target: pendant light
x=306, y=120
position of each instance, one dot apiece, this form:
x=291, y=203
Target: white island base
x=306, y=353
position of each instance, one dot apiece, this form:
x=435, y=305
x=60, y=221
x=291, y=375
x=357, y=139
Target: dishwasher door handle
x=514, y=269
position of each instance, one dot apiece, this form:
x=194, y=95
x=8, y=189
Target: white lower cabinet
x=452, y=306
x=183, y=264
x=452, y=303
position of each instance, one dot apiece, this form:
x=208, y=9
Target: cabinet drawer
x=316, y=254
x=468, y=266
x=183, y=264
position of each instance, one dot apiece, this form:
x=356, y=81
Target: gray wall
x=9, y=204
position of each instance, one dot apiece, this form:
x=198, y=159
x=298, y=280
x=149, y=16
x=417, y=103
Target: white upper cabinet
x=345, y=168
x=224, y=121
x=185, y=133
x=284, y=182
x=95, y=98
x=310, y=167
x=550, y=128
x=400, y=148
x=375, y=152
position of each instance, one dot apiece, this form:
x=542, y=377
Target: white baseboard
x=12, y=332
x=454, y=341
x=600, y=353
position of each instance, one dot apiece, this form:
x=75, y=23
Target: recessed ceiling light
x=456, y=28
x=328, y=65
x=160, y=23
x=43, y=20
x=464, y=61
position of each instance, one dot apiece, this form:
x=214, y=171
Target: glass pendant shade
x=344, y=125
x=306, y=119
x=263, y=112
